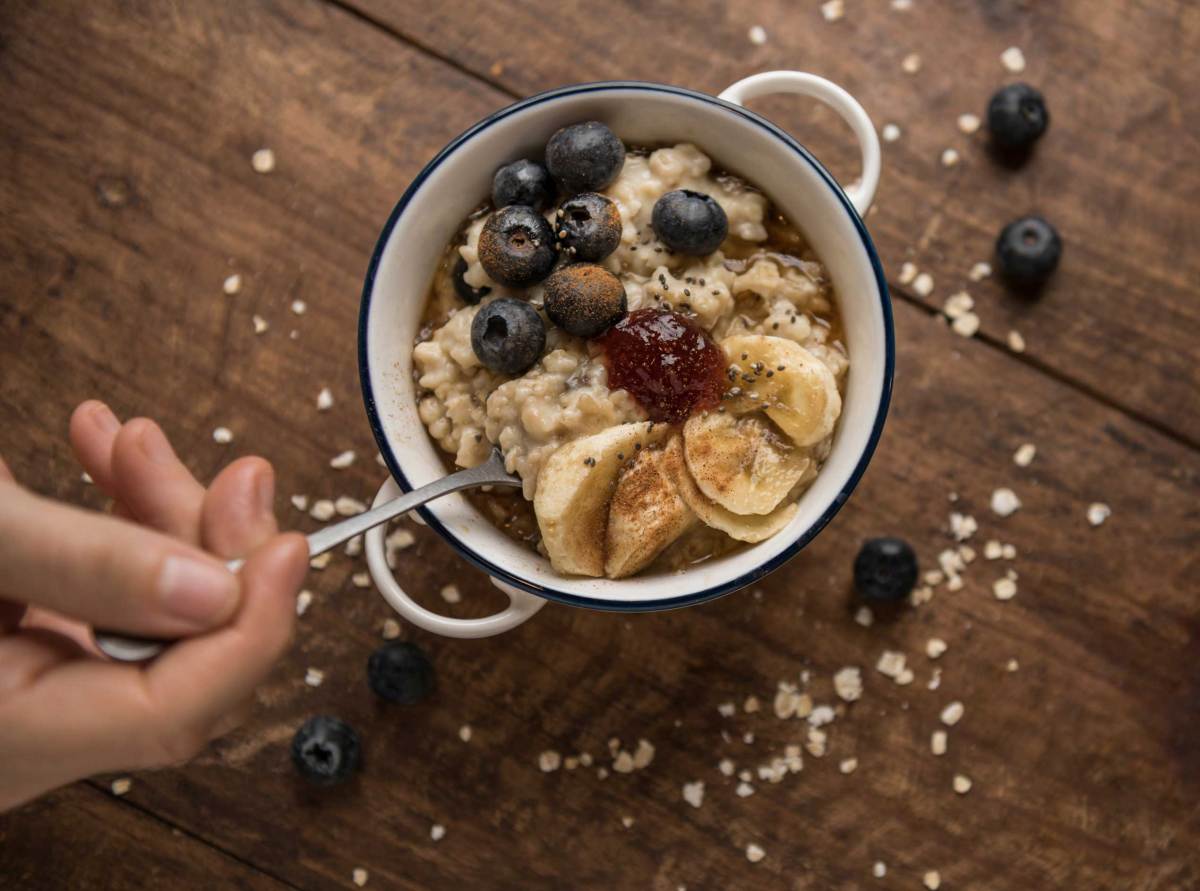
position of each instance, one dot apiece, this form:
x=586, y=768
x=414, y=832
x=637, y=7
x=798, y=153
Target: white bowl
x=453, y=184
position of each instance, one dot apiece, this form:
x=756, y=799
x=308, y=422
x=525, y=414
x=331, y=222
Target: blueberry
x=588, y=227
x=584, y=299
x=462, y=289
x=523, y=182
x=400, y=672
x=325, y=750
x=508, y=335
x=885, y=569
x=689, y=222
x=585, y=157
x=1017, y=116
x=516, y=246
x=1028, y=251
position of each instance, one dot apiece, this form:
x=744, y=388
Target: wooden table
x=128, y=197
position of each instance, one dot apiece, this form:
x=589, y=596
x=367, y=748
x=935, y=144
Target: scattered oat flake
x=751, y=705
x=222, y=435
x=744, y=790
x=726, y=766
x=920, y=595
x=361, y=579
x=958, y=304
x=937, y=742
x=962, y=527
x=299, y=307
x=693, y=793
x=754, y=853
x=890, y=133
x=320, y=561
x=891, y=663
x=863, y=616
x=923, y=284
x=324, y=399
x=260, y=324
x=822, y=715
x=727, y=709
x=1005, y=502
x=359, y=877
x=348, y=507
x=1024, y=454
x=263, y=160
x=748, y=738
x=879, y=870
x=627, y=822
x=847, y=683
x=816, y=741
x=86, y=478
x=993, y=550
x=848, y=765
x=322, y=510
x=549, y=761
x=908, y=272
x=968, y=123
x=643, y=754
x=1004, y=589
x=232, y=284
x=952, y=713
x=935, y=647
x=464, y=733
x=911, y=63
x=1013, y=59
x=303, y=601
x=437, y=832
x=300, y=502
x=390, y=629
x=932, y=880
x=745, y=776
x=1098, y=512
x=980, y=271
x=1009, y=552
x=950, y=157
x=314, y=677
x=965, y=325
x=757, y=35
x=962, y=784
x=833, y=10
x=1016, y=342
x=1012, y=665
x=121, y=786
x=623, y=763
x=343, y=460
x=902, y=5
x=450, y=594
x=955, y=584
x=354, y=546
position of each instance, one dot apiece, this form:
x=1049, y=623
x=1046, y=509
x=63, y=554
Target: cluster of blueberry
x=326, y=750
x=1028, y=249
x=519, y=247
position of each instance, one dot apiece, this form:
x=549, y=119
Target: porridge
x=657, y=355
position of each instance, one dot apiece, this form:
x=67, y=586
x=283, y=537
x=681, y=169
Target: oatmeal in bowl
x=680, y=339
x=651, y=344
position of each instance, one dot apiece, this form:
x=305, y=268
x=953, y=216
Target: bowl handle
x=860, y=193
x=521, y=604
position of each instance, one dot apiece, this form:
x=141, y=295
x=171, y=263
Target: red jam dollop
x=666, y=362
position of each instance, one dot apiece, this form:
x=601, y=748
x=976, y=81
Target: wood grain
x=1115, y=172
x=80, y=837
x=128, y=196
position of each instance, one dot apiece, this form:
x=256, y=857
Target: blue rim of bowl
x=497, y=572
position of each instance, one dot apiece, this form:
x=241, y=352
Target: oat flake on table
x=848, y=765
x=390, y=629
x=342, y=460
x=1005, y=502
x=348, y=507
x=359, y=877
x=832, y=10
x=950, y=157
x=437, y=832
x=757, y=35
x=299, y=307
x=693, y=793
x=968, y=123
x=1024, y=454
x=932, y=880
x=223, y=435
x=260, y=324
x=121, y=786
x=1098, y=512
x=937, y=742
x=879, y=870
x=324, y=399
x=952, y=713
x=232, y=284
x=263, y=160
x=890, y=133
x=361, y=579
x=908, y=272
x=754, y=853
x=962, y=784
x=980, y=271
x=323, y=509
x=847, y=683
x=923, y=284
x=1013, y=59
x=314, y=677
x=911, y=63
x=303, y=601
x=549, y=761
x=1016, y=341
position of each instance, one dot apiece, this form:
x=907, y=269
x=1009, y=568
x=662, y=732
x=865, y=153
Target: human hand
x=155, y=569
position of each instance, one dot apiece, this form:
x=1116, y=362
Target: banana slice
x=646, y=514
x=751, y=528
x=742, y=464
x=574, y=488
x=799, y=394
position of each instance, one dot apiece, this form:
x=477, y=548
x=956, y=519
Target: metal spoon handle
x=125, y=648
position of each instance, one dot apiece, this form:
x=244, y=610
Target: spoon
x=124, y=648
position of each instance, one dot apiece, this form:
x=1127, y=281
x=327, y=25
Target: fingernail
x=264, y=492
x=103, y=418
x=196, y=590
x=155, y=446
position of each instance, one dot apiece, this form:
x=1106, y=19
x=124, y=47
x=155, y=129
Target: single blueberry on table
x=588, y=227
x=326, y=750
x=885, y=569
x=516, y=246
x=400, y=672
x=1028, y=251
x=689, y=222
x=1017, y=117
x=508, y=335
x=523, y=182
x=585, y=157
x=462, y=289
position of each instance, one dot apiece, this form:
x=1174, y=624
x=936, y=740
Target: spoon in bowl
x=124, y=648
